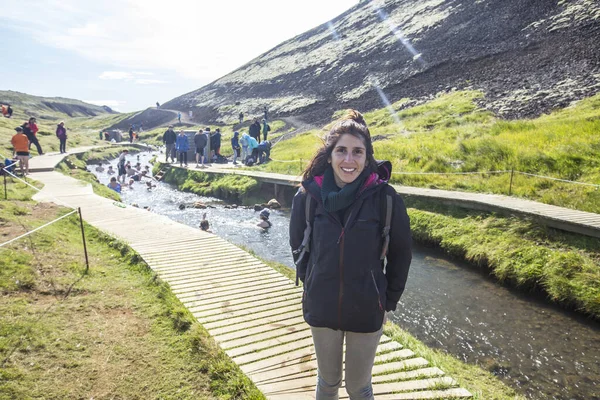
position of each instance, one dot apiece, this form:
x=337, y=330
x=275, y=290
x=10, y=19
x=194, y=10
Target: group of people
x=127, y=174
x=26, y=135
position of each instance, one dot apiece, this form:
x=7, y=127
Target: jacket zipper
x=341, y=266
x=377, y=290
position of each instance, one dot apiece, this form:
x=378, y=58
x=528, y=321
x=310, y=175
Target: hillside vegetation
x=452, y=134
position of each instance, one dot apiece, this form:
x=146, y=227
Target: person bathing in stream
x=110, y=170
x=100, y=168
x=264, y=219
x=340, y=262
x=204, y=225
x=114, y=185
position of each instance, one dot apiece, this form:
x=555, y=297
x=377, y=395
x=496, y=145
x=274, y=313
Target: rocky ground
x=528, y=57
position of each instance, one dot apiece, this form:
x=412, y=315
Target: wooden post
x=87, y=261
x=512, y=172
x=5, y=190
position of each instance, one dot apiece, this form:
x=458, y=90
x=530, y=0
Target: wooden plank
x=273, y=351
x=207, y=271
x=287, y=308
x=256, y=347
x=453, y=393
x=232, y=315
x=224, y=310
x=204, y=267
x=235, y=279
x=271, y=319
x=233, y=339
x=195, y=299
x=244, y=283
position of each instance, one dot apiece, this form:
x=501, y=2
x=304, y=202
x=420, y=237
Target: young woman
x=347, y=289
x=182, y=145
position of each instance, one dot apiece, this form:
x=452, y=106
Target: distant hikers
x=266, y=113
x=131, y=134
x=200, y=141
x=20, y=144
x=61, y=134
x=179, y=117
x=121, y=171
x=265, y=129
x=169, y=139
x=114, y=185
x=34, y=129
x=157, y=105
x=182, y=148
x=235, y=146
x=254, y=130
x=241, y=117
x=190, y=114
x=264, y=219
x=31, y=137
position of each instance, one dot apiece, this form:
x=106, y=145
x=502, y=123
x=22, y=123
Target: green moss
x=231, y=187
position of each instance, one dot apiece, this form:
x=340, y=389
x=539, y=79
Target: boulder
x=274, y=204
x=258, y=207
x=199, y=204
x=182, y=206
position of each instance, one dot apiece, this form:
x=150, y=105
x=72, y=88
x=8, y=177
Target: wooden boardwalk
x=252, y=311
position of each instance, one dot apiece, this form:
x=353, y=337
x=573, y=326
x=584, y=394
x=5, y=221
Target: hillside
x=528, y=57
x=50, y=108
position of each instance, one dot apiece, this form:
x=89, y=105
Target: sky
x=129, y=54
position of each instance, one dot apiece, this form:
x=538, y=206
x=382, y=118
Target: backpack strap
x=305, y=246
x=387, y=217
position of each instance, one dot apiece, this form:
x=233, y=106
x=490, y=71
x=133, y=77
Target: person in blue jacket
x=114, y=185
x=347, y=290
x=182, y=146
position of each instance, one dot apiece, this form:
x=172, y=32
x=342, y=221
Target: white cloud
x=201, y=40
x=116, y=75
x=114, y=104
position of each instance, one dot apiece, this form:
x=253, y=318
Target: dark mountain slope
x=527, y=56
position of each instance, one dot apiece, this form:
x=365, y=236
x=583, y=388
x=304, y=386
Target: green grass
x=120, y=332
x=240, y=189
x=518, y=252
x=451, y=134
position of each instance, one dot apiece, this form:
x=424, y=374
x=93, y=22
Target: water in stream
x=542, y=351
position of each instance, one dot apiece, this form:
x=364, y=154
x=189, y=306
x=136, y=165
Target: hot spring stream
x=542, y=351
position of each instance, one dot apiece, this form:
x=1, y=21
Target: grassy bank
x=235, y=188
x=517, y=252
x=452, y=134
x=116, y=332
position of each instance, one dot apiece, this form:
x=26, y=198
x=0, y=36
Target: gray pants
x=360, y=355
x=169, y=152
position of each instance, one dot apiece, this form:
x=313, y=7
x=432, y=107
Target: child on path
x=20, y=143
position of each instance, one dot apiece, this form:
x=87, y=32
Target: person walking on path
x=169, y=138
x=131, y=134
x=34, y=129
x=235, y=146
x=179, y=117
x=200, y=143
x=31, y=137
x=266, y=113
x=61, y=134
x=182, y=148
x=20, y=144
x=265, y=129
x=157, y=105
x=241, y=117
x=9, y=111
x=346, y=291
x=254, y=130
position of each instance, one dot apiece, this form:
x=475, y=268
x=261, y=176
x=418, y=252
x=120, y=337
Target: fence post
x=5, y=190
x=87, y=262
x=512, y=172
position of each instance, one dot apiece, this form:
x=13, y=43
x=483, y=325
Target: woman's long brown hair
x=351, y=123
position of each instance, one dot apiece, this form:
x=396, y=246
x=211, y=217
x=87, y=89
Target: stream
x=538, y=349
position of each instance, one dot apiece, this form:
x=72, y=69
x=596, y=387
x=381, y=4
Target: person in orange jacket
x=20, y=143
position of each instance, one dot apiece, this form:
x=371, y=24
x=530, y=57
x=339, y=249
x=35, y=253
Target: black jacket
x=254, y=130
x=169, y=137
x=345, y=286
x=200, y=140
x=215, y=141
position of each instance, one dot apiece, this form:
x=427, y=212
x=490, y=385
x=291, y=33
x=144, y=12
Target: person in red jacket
x=34, y=129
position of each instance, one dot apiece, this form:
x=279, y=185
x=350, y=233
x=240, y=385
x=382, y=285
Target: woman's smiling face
x=348, y=159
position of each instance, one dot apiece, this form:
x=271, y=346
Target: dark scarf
x=336, y=199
